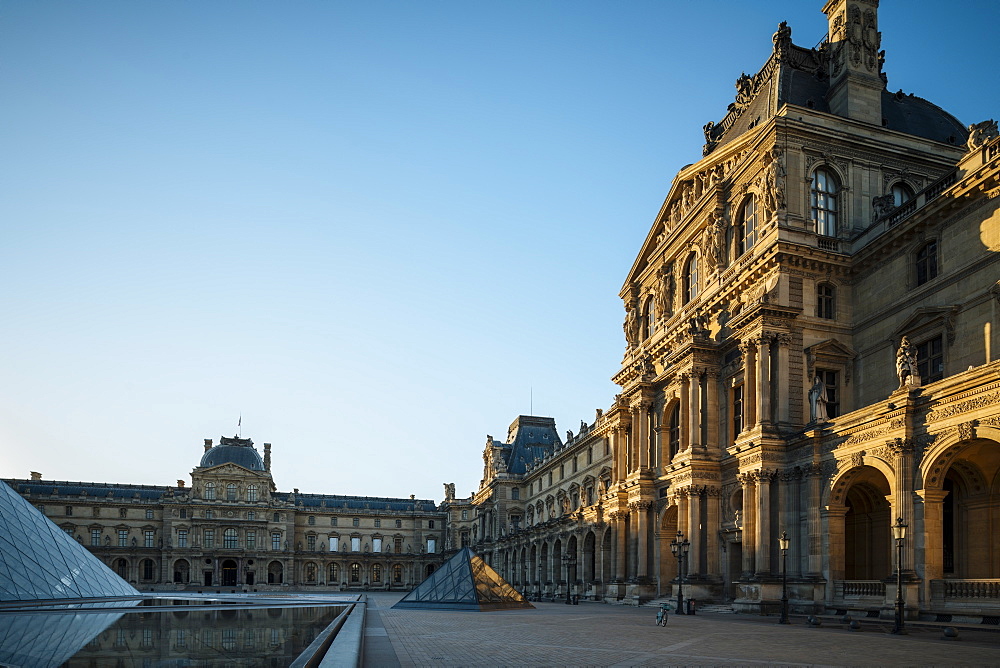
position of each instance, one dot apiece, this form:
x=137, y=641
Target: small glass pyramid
x=39, y=561
x=464, y=582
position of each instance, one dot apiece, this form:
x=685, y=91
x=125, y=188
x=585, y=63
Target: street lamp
x=783, y=544
x=899, y=535
x=570, y=561
x=680, y=546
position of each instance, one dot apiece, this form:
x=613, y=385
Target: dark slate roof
x=799, y=77
x=94, y=489
x=239, y=451
x=529, y=438
x=369, y=503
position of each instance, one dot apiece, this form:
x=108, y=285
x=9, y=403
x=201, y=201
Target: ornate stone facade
x=231, y=528
x=812, y=346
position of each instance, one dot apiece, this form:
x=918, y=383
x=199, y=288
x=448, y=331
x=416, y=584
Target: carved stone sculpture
x=981, y=133
x=882, y=205
x=817, y=401
x=782, y=40
x=631, y=327
x=906, y=364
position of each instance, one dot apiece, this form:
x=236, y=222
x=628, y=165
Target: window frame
x=824, y=204
x=826, y=304
x=691, y=278
x=746, y=234
x=928, y=266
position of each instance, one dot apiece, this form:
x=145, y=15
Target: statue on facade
x=782, y=40
x=906, y=364
x=631, y=327
x=449, y=491
x=817, y=401
x=981, y=133
x=569, y=435
x=713, y=242
x=882, y=205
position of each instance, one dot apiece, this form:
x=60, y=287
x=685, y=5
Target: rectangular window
x=562, y=471
x=209, y=514
x=431, y=546
x=550, y=478
x=123, y=538
x=465, y=514
x=399, y=524
x=930, y=360
x=69, y=510
x=96, y=511
x=147, y=539
x=230, y=539
x=397, y=545
x=831, y=378
x=356, y=521
x=737, y=411
x=275, y=541
x=334, y=543
x=182, y=538
x=209, y=538
x=333, y=521
x=515, y=493
x=184, y=513
x=68, y=531
x=149, y=514
x=95, y=537
x=251, y=540
x=311, y=542
x=355, y=544
x=376, y=544
x=378, y=523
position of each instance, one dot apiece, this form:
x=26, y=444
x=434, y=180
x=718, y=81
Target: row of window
x=231, y=490
x=231, y=541
x=356, y=521
x=97, y=537
x=96, y=512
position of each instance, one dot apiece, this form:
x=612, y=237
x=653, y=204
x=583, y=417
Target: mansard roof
x=529, y=438
x=364, y=503
x=799, y=76
x=94, y=489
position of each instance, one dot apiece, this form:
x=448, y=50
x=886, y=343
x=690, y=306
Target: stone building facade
x=232, y=528
x=812, y=348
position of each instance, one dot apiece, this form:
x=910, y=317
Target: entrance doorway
x=229, y=573
x=208, y=578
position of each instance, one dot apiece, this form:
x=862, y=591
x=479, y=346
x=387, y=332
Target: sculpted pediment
x=928, y=318
x=229, y=470
x=831, y=348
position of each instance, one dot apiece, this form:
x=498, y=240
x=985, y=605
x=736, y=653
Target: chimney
x=855, y=60
x=267, y=456
x=208, y=444
x=35, y=475
x=180, y=483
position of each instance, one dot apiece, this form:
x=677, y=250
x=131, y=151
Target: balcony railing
x=863, y=588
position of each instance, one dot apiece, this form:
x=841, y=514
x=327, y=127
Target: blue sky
x=376, y=230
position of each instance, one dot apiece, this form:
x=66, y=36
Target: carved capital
x=900, y=446
x=967, y=430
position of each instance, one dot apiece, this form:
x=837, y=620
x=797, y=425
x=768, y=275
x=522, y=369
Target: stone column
x=783, y=379
x=621, y=556
x=685, y=401
x=763, y=542
x=749, y=515
x=749, y=384
x=641, y=511
x=814, y=520
x=902, y=493
x=712, y=522
x=764, y=380
x=712, y=418
x=695, y=531
x=933, y=566
x=694, y=410
x=834, y=516
x=640, y=434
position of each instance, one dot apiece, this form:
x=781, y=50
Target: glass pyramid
x=38, y=560
x=464, y=582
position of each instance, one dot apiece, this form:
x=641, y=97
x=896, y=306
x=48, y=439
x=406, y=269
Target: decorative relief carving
x=981, y=133
x=872, y=41
x=900, y=446
x=967, y=430
x=984, y=401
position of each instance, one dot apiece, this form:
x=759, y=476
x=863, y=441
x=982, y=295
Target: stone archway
x=667, y=532
x=858, y=518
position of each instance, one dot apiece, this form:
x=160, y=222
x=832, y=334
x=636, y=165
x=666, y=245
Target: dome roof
x=239, y=451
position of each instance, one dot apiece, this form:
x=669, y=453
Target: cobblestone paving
x=555, y=634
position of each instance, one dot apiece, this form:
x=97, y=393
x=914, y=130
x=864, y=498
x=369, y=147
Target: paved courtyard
x=555, y=634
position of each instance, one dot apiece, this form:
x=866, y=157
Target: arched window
x=746, y=229
x=253, y=493
x=826, y=304
x=376, y=573
x=229, y=539
x=334, y=573
x=231, y=492
x=251, y=515
x=310, y=572
x=824, y=203
x=901, y=194
x=691, y=278
x=927, y=264
x=210, y=491
x=355, y=572
x=397, y=574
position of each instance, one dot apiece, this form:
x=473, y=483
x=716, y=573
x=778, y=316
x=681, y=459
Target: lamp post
x=783, y=544
x=570, y=561
x=899, y=535
x=680, y=546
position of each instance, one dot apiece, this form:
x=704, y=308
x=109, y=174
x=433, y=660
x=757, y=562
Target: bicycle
x=662, y=614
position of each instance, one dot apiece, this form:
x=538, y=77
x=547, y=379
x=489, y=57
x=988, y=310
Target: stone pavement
x=592, y=634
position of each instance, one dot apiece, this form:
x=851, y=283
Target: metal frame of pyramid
x=464, y=582
x=39, y=561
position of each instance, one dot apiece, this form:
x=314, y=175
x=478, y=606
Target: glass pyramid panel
x=38, y=560
x=464, y=582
